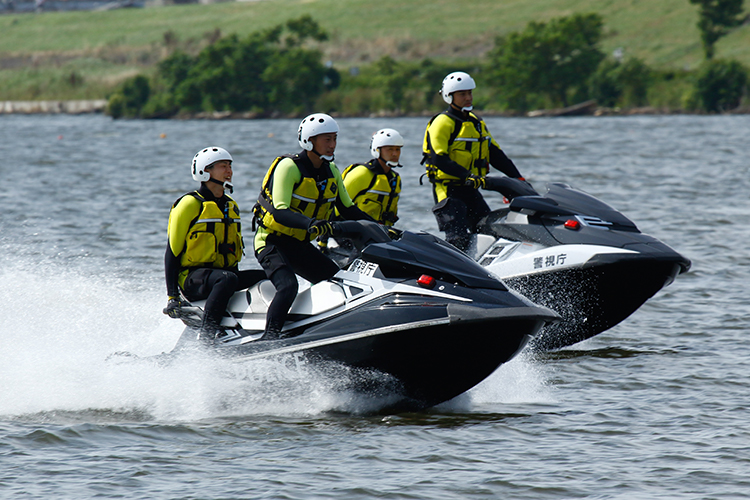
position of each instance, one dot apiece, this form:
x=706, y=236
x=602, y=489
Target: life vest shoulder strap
x=297, y=159
x=350, y=168
x=197, y=196
x=451, y=139
x=264, y=200
x=194, y=194
x=457, y=123
x=373, y=179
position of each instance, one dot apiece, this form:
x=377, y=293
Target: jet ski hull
x=415, y=319
x=593, y=299
x=576, y=255
x=440, y=352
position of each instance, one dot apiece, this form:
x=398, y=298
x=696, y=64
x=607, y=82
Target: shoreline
x=72, y=107
x=94, y=106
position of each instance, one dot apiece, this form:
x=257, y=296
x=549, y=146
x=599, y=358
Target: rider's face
x=221, y=170
x=462, y=98
x=324, y=144
x=390, y=153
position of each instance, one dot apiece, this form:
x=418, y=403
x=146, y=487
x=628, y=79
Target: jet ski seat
x=267, y=291
x=479, y=244
x=312, y=300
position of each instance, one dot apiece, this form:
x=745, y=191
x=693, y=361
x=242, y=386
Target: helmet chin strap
x=227, y=185
x=327, y=158
x=392, y=164
x=465, y=108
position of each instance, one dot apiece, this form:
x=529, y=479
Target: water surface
x=656, y=407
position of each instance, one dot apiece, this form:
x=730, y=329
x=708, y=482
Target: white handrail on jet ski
x=576, y=255
x=414, y=308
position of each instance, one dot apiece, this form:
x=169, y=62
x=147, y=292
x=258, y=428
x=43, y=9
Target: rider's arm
x=171, y=272
x=450, y=167
x=284, y=179
x=179, y=223
x=438, y=136
x=498, y=159
x=344, y=203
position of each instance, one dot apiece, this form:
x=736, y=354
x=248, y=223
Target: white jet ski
x=580, y=257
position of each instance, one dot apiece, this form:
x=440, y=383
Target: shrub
x=716, y=19
x=394, y=86
x=552, y=59
x=621, y=83
x=116, y=105
x=720, y=85
x=128, y=101
x=264, y=72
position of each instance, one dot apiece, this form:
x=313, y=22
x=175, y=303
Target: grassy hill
x=83, y=54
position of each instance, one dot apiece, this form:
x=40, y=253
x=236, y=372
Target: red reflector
x=426, y=281
x=572, y=224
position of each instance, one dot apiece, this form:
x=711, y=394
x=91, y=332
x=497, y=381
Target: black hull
x=429, y=364
x=597, y=297
x=605, y=290
x=434, y=359
x=422, y=317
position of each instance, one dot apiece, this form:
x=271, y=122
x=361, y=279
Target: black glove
x=474, y=181
x=174, y=306
x=389, y=217
x=322, y=228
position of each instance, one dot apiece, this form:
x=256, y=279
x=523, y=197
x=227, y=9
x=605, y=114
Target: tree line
x=268, y=71
x=548, y=64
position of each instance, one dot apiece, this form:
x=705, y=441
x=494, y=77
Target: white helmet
x=385, y=137
x=458, y=80
x=315, y=124
x=204, y=159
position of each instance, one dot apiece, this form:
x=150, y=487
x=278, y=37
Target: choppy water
x=657, y=407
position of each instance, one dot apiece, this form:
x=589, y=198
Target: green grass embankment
x=84, y=55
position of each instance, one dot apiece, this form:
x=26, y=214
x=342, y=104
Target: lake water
x=657, y=407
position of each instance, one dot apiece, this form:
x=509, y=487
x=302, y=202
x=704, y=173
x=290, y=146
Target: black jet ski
x=413, y=308
x=576, y=255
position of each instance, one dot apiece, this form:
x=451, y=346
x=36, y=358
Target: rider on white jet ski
x=458, y=150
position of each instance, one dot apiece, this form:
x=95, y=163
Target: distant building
x=16, y=6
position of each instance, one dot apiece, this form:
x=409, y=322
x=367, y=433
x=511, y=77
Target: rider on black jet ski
x=375, y=187
x=205, y=243
x=296, y=204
